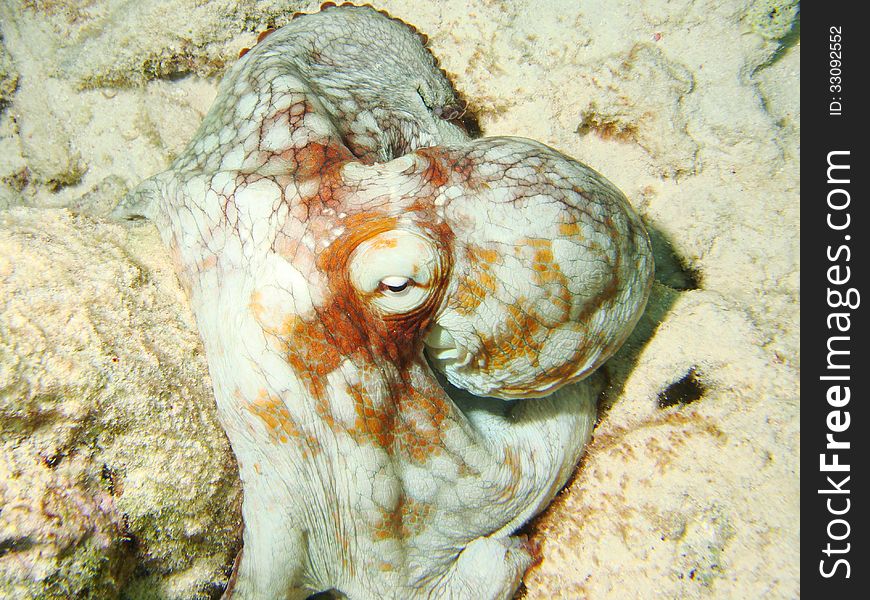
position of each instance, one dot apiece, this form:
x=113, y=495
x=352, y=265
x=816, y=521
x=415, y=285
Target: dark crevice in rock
x=688, y=389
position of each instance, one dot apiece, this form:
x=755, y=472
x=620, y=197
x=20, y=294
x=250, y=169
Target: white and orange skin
x=329, y=224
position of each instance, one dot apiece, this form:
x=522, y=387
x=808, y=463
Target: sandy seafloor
x=115, y=479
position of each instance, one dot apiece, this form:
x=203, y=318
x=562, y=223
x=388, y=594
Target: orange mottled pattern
x=409, y=423
x=547, y=273
x=480, y=283
x=272, y=411
x=281, y=428
x=409, y=518
x=424, y=409
x=375, y=421
x=311, y=351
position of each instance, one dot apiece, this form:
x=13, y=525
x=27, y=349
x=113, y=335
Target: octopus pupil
x=395, y=288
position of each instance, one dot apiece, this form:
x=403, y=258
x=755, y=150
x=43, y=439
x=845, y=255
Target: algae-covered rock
x=115, y=476
x=61, y=536
x=8, y=75
x=772, y=19
x=639, y=100
x=129, y=44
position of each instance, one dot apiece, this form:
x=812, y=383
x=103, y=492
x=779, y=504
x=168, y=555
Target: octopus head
x=515, y=280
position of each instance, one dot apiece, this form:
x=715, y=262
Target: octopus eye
x=395, y=271
x=395, y=285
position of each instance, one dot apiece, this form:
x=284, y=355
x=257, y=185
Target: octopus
x=397, y=316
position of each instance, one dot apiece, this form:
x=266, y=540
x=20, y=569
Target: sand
x=690, y=486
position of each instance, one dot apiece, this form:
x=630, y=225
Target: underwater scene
x=468, y=300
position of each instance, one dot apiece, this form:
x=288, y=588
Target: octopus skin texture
x=396, y=316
